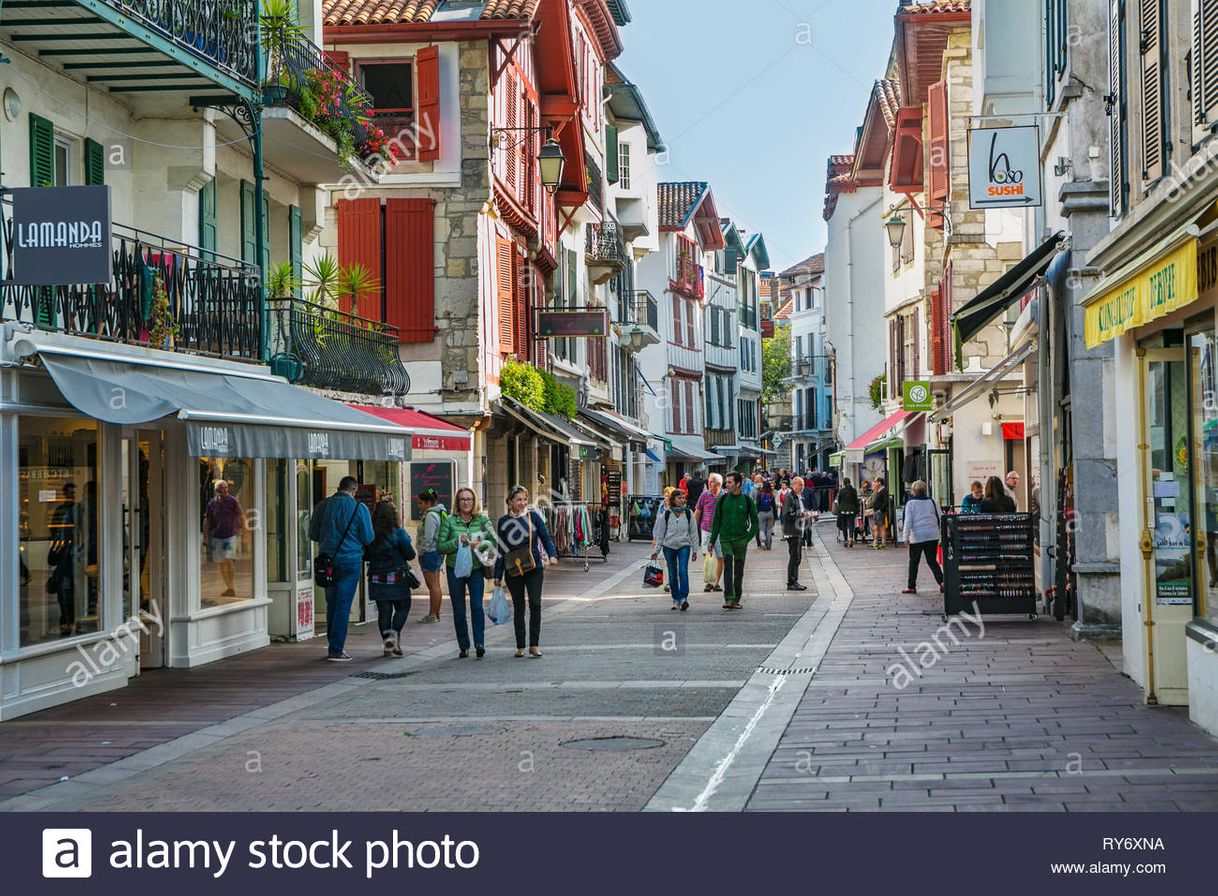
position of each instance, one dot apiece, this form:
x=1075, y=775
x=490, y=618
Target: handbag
x=521, y=561
x=498, y=610
x=653, y=576
x=323, y=563
x=52, y=585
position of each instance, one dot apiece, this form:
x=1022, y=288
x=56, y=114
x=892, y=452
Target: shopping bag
x=653, y=576
x=939, y=554
x=498, y=611
x=463, y=567
x=710, y=567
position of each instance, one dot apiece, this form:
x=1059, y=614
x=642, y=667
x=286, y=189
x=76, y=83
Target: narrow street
x=790, y=705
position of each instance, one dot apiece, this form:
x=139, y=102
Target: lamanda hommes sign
x=61, y=235
x=1004, y=167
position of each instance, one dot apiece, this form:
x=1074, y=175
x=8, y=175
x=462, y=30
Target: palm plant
x=355, y=281
x=321, y=280
x=281, y=281
x=281, y=29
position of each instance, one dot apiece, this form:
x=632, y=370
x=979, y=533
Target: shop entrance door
x=144, y=542
x=1168, y=529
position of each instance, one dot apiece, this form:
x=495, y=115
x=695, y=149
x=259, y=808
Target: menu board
x=615, y=486
x=425, y=474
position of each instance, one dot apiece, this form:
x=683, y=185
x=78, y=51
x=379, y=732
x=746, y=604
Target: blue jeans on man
x=678, y=573
x=475, y=586
x=339, y=598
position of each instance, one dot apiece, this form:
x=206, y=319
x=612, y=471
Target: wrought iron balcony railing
x=327, y=349
x=162, y=294
x=646, y=310
x=604, y=244
x=219, y=31
x=596, y=184
x=690, y=279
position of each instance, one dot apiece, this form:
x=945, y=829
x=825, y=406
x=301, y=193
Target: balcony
x=328, y=349
x=691, y=279
x=605, y=251
x=640, y=324
x=135, y=47
x=162, y=294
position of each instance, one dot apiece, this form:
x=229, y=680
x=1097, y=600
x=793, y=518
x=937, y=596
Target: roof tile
x=679, y=200
x=414, y=12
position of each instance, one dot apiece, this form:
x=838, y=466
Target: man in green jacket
x=735, y=525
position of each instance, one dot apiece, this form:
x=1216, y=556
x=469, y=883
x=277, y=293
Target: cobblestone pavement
x=636, y=681
x=1018, y=719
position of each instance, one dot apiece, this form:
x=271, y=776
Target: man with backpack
x=734, y=527
x=342, y=528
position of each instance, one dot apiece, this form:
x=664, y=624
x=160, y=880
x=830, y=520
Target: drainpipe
x=259, y=190
x=1146, y=544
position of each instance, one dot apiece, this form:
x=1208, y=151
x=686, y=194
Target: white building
x=756, y=258
x=810, y=432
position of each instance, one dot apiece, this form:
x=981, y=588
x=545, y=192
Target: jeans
x=678, y=573
x=339, y=598
x=391, y=615
x=928, y=549
x=795, y=557
x=457, y=588
x=734, y=553
x=766, y=532
x=520, y=587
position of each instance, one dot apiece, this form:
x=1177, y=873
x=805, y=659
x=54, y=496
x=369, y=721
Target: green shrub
x=559, y=399
x=523, y=383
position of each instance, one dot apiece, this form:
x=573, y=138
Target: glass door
x=143, y=496
x=1203, y=379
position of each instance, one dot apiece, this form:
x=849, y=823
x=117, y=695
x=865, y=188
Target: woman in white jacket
x=678, y=536
x=923, y=520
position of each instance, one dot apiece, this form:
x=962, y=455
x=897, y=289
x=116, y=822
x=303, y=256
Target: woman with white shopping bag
x=466, y=541
x=676, y=533
x=522, y=535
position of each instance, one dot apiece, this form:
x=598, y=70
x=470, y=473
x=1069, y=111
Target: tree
x=776, y=366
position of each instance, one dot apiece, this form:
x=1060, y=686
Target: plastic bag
x=499, y=612
x=710, y=567
x=653, y=575
x=463, y=568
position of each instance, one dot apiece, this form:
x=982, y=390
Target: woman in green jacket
x=467, y=542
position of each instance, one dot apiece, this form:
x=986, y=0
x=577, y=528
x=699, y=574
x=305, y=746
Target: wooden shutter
x=1116, y=112
x=42, y=152
x=940, y=174
x=427, y=73
x=360, y=235
x=511, y=109
x=915, y=321
x=612, y=170
x=691, y=312
x=265, y=260
x=1154, y=99
x=893, y=367
x=410, y=275
x=674, y=392
x=521, y=279
x=95, y=163
x=504, y=252
x=677, y=327
x=689, y=407
x=249, y=243
x=1205, y=61
x=937, y=365
x=207, y=217
x=296, y=245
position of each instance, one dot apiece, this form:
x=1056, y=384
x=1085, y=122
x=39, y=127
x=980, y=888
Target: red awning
x=879, y=430
x=429, y=432
x=1012, y=432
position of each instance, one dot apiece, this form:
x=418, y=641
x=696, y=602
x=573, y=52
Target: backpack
x=689, y=521
x=765, y=503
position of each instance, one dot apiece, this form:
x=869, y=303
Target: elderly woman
x=922, y=524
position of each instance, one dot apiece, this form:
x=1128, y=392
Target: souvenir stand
x=988, y=564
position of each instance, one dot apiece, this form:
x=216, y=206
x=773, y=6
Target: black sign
x=440, y=475
x=615, y=486
x=573, y=324
x=61, y=235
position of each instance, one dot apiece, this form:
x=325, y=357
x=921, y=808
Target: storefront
x=1160, y=312
x=114, y=455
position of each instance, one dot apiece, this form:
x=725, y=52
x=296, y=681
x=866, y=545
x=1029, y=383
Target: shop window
x=59, y=554
x=1203, y=360
x=227, y=498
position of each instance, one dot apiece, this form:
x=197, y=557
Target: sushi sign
x=1004, y=168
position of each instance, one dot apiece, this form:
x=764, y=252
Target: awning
x=652, y=456
x=693, y=456
x=1003, y=292
x=227, y=414
x=1156, y=283
x=855, y=450
x=979, y=386
x=427, y=432
x=615, y=428
x=547, y=425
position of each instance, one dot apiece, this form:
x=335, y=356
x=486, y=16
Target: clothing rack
x=575, y=527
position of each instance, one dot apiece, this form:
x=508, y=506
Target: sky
x=754, y=96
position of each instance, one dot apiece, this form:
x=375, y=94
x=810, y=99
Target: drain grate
x=456, y=731
x=769, y=670
x=383, y=676
x=616, y=744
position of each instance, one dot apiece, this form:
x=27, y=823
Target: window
x=63, y=162
x=1057, y=44
x=226, y=562
x=623, y=165
x=391, y=86
x=58, y=492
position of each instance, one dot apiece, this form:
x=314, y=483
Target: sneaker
x=390, y=644
x=343, y=657
x=676, y=606
x=684, y=605
x=397, y=649
x=428, y=620
x=909, y=591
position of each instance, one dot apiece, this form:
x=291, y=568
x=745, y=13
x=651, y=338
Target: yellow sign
x=1155, y=291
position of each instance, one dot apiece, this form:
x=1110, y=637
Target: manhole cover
x=614, y=744
x=456, y=731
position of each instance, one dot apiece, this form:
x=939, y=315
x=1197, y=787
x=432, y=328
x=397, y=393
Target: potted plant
x=281, y=30
x=162, y=329
x=281, y=282
x=355, y=281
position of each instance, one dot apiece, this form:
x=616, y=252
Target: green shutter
x=296, y=245
x=611, y=154
x=266, y=234
x=207, y=217
x=95, y=163
x=42, y=152
x=249, y=245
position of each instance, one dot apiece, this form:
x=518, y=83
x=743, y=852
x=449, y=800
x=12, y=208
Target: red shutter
x=410, y=275
x=915, y=326
x=893, y=368
x=937, y=365
x=521, y=279
x=940, y=173
x=341, y=58
x=512, y=108
x=541, y=347
x=427, y=71
x=359, y=242
x=505, y=251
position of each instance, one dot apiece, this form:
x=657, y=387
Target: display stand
x=988, y=564
x=641, y=517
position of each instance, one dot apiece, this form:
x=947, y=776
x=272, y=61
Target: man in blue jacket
x=342, y=528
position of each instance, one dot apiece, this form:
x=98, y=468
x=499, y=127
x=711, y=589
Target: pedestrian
x=522, y=535
x=431, y=561
x=1012, y=488
x=809, y=496
x=847, y=512
x=466, y=540
x=695, y=484
x=996, y=499
x=704, y=514
x=223, y=524
x=342, y=528
x=62, y=553
x=676, y=535
x=766, y=508
x=389, y=558
x=972, y=501
x=795, y=518
x=733, y=528
x=923, y=523
x=878, y=509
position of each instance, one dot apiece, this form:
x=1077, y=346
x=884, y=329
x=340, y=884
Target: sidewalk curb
x=721, y=771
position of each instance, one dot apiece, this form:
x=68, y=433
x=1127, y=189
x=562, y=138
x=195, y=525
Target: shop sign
x=304, y=613
x=1004, y=167
x=61, y=235
x=613, y=480
x=1171, y=282
x=440, y=475
x=916, y=396
x=573, y=324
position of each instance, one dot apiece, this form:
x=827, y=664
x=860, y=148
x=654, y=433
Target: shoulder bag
x=521, y=561
x=323, y=563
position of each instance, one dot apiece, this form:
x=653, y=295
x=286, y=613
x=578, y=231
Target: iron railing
x=318, y=346
x=162, y=294
x=603, y=244
x=646, y=310
x=690, y=279
x=596, y=184
x=219, y=31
